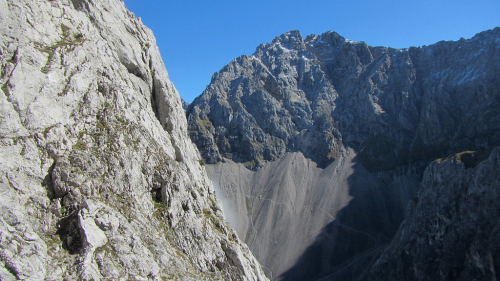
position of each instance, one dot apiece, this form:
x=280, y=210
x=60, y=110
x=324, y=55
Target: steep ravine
x=277, y=124
x=98, y=177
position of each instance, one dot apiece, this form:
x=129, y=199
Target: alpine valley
x=329, y=158
x=343, y=161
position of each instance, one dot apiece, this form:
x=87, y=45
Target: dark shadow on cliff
x=346, y=247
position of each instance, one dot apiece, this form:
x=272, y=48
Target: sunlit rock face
x=316, y=95
x=98, y=177
x=320, y=143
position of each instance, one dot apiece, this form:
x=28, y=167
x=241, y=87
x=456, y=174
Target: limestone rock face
x=315, y=95
x=369, y=120
x=98, y=177
x=452, y=229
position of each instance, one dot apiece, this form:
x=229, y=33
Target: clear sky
x=198, y=37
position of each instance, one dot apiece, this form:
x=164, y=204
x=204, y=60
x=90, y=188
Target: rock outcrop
x=325, y=97
x=98, y=177
x=393, y=106
x=452, y=229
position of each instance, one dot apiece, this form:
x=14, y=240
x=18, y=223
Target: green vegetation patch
x=68, y=42
x=107, y=249
x=250, y=164
x=5, y=89
x=80, y=145
x=332, y=155
x=205, y=125
x=207, y=213
x=470, y=158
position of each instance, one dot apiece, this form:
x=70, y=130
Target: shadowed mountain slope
x=281, y=208
x=388, y=112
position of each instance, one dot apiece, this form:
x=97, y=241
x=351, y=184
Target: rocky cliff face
x=98, y=177
x=452, y=229
x=384, y=113
x=394, y=107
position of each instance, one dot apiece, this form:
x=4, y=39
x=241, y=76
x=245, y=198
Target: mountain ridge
x=325, y=97
x=330, y=73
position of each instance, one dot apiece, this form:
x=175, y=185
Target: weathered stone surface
x=452, y=229
x=98, y=177
x=396, y=109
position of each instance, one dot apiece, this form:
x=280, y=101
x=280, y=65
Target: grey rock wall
x=452, y=228
x=98, y=177
x=395, y=110
x=395, y=107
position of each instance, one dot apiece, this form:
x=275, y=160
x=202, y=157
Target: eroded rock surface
x=452, y=228
x=98, y=177
x=395, y=110
x=394, y=107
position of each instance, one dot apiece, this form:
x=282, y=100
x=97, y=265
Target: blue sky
x=198, y=37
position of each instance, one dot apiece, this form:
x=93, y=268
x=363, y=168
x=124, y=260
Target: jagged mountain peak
x=290, y=39
x=330, y=37
x=334, y=93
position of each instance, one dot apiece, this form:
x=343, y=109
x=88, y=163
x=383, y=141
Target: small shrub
x=250, y=164
x=80, y=145
x=4, y=89
x=207, y=213
x=332, y=155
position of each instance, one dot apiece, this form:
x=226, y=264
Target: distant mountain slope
x=281, y=209
x=317, y=95
x=384, y=113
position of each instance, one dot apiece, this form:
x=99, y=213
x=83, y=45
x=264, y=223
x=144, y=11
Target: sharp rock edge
x=98, y=177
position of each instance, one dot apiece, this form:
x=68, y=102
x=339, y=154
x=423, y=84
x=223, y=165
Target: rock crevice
x=98, y=177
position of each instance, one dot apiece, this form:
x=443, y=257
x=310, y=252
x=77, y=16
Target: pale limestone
x=98, y=177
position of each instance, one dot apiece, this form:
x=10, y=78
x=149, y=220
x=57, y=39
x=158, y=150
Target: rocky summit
x=323, y=93
x=98, y=177
x=325, y=150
